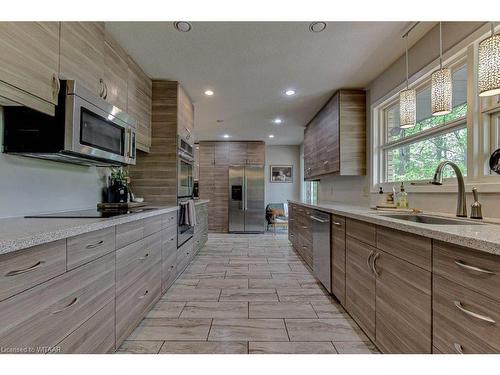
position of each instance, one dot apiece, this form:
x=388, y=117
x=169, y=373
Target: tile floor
x=247, y=294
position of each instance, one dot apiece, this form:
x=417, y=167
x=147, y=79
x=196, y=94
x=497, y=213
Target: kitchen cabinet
x=300, y=232
x=201, y=227
x=29, y=63
x=82, y=54
x=185, y=115
x=115, y=73
x=139, y=103
x=338, y=243
x=169, y=251
x=214, y=161
x=334, y=140
x=360, y=284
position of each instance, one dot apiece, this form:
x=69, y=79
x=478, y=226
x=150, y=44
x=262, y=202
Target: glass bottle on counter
x=402, y=198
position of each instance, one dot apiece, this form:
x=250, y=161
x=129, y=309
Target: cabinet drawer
x=169, y=271
x=169, y=238
x=407, y=246
x=134, y=302
x=135, y=259
x=152, y=225
x=338, y=222
x=473, y=269
x=455, y=328
x=362, y=231
x=89, y=246
x=338, y=262
x=56, y=308
x=129, y=232
x=184, y=255
x=95, y=336
x=169, y=220
x=24, y=269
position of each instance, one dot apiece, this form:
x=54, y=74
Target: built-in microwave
x=85, y=130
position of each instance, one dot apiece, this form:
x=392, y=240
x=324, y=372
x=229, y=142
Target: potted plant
x=118, y=189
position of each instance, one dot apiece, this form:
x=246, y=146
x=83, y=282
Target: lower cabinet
x=360, y=285
x=201, y=227
x=338, y=255
x=300, y=232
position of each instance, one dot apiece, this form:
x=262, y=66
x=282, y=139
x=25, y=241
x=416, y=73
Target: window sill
x=446, y=188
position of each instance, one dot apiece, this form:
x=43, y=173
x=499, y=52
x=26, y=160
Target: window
x=311, y=192
x=413, y=154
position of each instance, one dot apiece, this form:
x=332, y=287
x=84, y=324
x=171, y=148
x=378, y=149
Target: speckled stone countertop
x=20, y=233
x=480, y=237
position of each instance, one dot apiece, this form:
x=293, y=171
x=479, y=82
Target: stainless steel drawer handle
x=304, y=227
x=484, y=318
x=71, y=304
x=144, y=257
x=473, y=268
x=337, y=223
x=368, y=260
x=24, y=270
x=94, y=245
x=318, y=219
x=458, y=348
x=144, y=295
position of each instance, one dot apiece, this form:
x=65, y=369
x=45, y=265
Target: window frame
x=478, y=122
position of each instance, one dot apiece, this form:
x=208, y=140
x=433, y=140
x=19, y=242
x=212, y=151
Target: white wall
x=355, y=190
x=34, y=186
x=282, y=155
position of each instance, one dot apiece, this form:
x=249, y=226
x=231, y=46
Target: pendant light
x=441, y=87
x=407, y=100
x=489, y=65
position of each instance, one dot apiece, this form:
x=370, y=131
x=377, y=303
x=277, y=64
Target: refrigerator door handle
x=245, y=187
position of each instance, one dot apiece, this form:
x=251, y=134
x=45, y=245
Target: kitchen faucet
x=438, y=180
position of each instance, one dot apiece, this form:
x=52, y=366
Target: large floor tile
x=273, y=283
x=292, y=275
x=223, y=283
x=166, y=310
x=215, y=310
x=186, y=295
x=281, y=310
x=302, y=295
x=248, y=330
x=236, y=274
x=248, y=295
x=276, y=267
x=172, y=329
x=140, y=347
x=355, y=348
x=211, y=267
x=291, y=348
x=185, y=283
x=204, y=347
x=328, y=310
x=204, y=275
x=339, y=329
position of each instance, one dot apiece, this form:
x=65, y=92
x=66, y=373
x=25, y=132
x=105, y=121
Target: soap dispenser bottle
x=402, y=199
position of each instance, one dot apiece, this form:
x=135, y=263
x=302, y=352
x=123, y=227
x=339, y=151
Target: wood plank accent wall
x=154, y=177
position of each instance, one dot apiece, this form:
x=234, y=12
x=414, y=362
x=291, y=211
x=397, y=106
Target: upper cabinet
x=139, y=94
x=29, y=63
x=185, y=116
x=335, y=139
x=256, y=153
x=115, y=73
x=246, y=153
x=82, y=54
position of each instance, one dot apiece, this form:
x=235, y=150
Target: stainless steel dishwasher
x=321, y=248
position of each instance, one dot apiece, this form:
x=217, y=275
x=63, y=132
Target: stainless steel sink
x=433, y=220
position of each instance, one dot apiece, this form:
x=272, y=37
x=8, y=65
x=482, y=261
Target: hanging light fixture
x=407, y=100
x=441, y=87
x=489, y=65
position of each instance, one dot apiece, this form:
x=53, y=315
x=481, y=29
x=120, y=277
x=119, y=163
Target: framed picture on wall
x=282, y=173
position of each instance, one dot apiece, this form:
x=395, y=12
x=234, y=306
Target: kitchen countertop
x=20, y=233
x=485, y=237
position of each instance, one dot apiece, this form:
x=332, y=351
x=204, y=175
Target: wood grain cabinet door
x=256, y=153
x=403, y=314
x=238, y=153
x=82, y=54
x=115, y=73
x=185, y=115
x=338, y=242
x=139, y=103
x=29, y=58
x=360, y=285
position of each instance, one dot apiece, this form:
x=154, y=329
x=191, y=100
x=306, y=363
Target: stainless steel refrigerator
x=246, y=199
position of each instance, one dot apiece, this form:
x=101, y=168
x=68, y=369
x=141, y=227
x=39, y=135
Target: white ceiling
x=249, y=64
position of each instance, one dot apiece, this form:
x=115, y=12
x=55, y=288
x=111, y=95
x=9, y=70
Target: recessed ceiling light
x=219, y=121
x=271, y=135
x=182, y=26
x=226, y=135
x=209, y=92
x=317, y=27
x=290, y=92
x=277, y=120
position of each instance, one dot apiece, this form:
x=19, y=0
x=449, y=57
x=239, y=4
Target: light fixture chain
x=440, y=45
